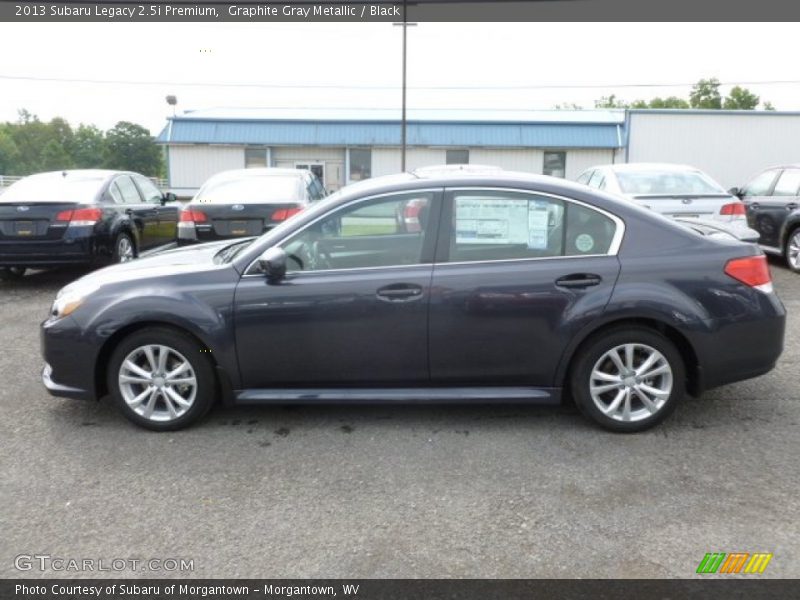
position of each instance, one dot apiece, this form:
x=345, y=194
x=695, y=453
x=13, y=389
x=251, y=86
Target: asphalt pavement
x=400, y=491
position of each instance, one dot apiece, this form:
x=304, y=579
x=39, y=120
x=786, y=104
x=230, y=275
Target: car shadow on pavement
x=44, y=278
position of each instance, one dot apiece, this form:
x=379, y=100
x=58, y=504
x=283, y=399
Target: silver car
x=676, y=191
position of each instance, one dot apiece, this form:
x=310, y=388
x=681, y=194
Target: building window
x=255, y=158
x=360, y=164
x=555, y=164
x=457, y=157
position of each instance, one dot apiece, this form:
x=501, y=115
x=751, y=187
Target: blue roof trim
x=387, y=133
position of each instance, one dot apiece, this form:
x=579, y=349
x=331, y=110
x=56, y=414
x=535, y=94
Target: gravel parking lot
x=396, y=491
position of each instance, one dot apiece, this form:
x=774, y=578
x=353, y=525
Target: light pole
x=405, y=25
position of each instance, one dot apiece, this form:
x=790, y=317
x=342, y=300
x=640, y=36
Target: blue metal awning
x=571, y=133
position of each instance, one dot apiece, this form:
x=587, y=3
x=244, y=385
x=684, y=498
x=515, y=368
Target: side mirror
x=168, y=197
x=735, y=191
x=273, y=263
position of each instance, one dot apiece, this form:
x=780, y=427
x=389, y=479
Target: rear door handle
x=578, y=280
x=792, y=206
x=755, y=205
x=399, y=292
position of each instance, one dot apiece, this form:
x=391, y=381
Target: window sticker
x=584, y=242
x=538, y=219
x=494, y=221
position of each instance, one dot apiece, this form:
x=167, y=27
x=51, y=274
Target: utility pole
x=405, y=25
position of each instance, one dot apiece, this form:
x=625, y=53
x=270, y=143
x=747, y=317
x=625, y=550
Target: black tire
x=596, y=347
x=12, y=273
x=183, y=346
x=120, y=254
x=786, y=254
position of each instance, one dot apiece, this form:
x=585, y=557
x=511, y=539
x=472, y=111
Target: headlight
x=69, y=299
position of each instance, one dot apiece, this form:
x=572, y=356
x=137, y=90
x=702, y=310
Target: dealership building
x=344, y=146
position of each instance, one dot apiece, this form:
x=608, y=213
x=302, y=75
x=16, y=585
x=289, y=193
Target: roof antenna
x=63, y=173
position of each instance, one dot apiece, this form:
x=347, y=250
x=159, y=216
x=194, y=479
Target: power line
x=300, y=86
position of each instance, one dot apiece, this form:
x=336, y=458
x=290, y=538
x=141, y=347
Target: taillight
x=733, y=209
x=80, y=217
x=411, y=212
x=752, y=271
x=192, y=216
x=284, y=213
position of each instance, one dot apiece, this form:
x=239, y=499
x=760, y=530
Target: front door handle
x=399, y=292
x=792, y=206
x=578, y=280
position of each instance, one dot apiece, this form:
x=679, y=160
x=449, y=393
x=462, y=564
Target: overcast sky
x=485, y=56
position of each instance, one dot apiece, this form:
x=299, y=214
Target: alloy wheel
x=631, y=382
x=793, y=250
x=157, y=383
x=125, y=249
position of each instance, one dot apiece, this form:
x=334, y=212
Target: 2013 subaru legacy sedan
x=514, y=288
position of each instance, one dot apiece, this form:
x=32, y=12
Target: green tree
x=669, y=102
x=768, y=106
x=88, y=147
x=9, y=154
x=54, y=157
x=131, y=147
x=610, y=102
x=705, y=94
x=30, y=136
x=741, y=98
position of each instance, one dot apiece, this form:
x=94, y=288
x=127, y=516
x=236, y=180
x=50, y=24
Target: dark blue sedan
x=82, y=217
x=510, y=288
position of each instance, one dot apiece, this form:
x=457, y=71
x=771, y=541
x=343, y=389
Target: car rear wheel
x=628, y=379
x=792, y=250
x=12, y=273
x=160, y=379
x=124, y=249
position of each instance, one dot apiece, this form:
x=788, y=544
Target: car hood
x=198, y=257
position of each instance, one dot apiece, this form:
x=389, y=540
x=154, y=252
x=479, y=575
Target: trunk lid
x=242, y=220
x=33, y=220
x=686, y=206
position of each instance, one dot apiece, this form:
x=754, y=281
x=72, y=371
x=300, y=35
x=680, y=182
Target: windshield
x=683, y=183
x=251, y=190
x=53, y=189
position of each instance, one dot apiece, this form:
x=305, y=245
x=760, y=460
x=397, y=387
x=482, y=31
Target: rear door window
x=499, y=225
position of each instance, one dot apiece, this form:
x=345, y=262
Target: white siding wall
x=190, y=166
x=728, y=147
x=580, y=160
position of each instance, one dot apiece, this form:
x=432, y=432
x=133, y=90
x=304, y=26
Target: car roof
x=78, y=174
x=431, y=178
x=260, y=172
x=644, y=166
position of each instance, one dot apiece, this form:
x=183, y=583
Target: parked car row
x=97, y=217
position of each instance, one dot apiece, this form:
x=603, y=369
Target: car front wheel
x=628, y=379
x=160, y=379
